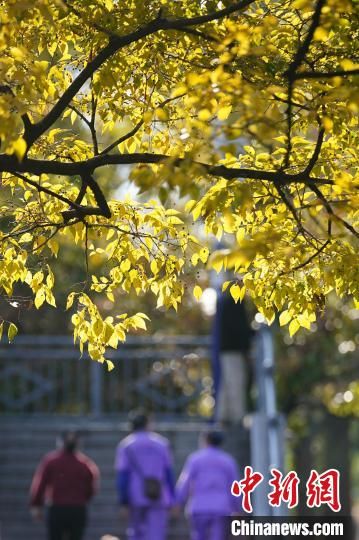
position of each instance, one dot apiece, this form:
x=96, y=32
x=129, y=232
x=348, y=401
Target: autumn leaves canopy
x=244, y=113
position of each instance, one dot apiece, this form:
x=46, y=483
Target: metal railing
x=167, y=375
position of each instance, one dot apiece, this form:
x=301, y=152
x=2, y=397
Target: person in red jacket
x=65, y=480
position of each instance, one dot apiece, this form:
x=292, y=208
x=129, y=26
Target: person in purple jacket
x=145, y=480
x=205, y=485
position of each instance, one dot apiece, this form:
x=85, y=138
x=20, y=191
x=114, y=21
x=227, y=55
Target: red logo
x=324, y=489
x=246, y=486
x=284, y=489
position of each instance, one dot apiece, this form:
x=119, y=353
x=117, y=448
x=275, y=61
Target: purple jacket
x=205, y=483
x=143, y=454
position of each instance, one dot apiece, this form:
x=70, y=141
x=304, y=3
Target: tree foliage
x=247, y=110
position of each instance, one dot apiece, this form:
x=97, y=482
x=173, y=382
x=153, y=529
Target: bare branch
x=313, y=160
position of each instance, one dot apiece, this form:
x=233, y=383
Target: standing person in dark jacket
x=66, y=480
x=233, y=336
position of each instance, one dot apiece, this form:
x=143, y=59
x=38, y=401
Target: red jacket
x=64, y=478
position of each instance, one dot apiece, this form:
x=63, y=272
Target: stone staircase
x=24, y=440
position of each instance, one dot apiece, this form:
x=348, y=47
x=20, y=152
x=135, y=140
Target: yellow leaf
x=284, y=317
x=139, y=322
x=197, y=292
x=224, y=112
x=195, y=259
x=327, y=123
x=299, y=4
x=50, y=280
x=161, y=114
x=113, y=341
x=50, y=299
x=40, y=298
x=19, y=148
x=320, y=34
x=110, y=296
x=12, y=331
x=70, y=300
x=110, y=365
x=98, y=327
x=120, y=333
x=154, y=267
x=125, y=265
x=142, y=315
x=236, y=292
x=294, y=327
x=304, y=321
x=225, y=285
x=17, y=53
x=203, y=254
x=204, y=115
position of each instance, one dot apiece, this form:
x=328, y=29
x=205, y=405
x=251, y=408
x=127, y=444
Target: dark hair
x=138, y=420
x=70, y=440
x=214, y=437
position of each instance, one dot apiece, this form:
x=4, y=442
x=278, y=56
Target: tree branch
x=307, y=261
x=122, y=138
x=327, y=75
x=37, y=166
x=98, y=194
x=304, y=48
x=48, y=191
x=316, y=152
x=298, y=59
x=331, y=212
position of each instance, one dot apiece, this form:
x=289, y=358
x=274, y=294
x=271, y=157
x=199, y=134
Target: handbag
x=152, y=487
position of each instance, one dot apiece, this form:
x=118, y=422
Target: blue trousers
x=147, y=523
x=208, y=527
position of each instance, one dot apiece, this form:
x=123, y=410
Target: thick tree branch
x=37, y=166
x=98, y=194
